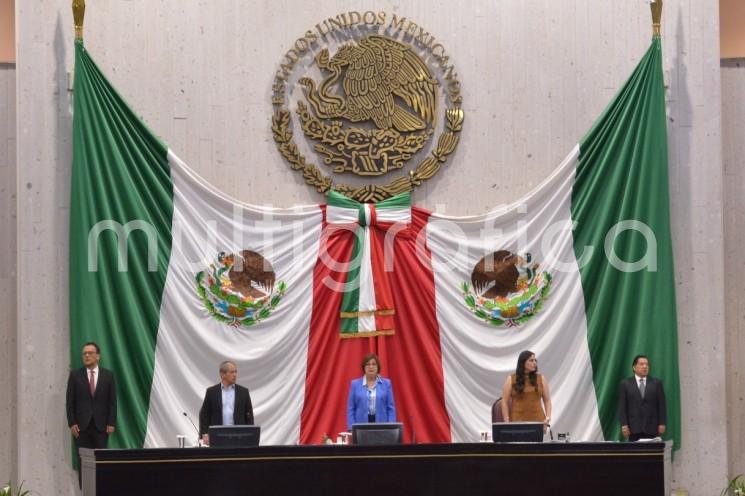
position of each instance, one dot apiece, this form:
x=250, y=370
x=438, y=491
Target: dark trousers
x=90, y=437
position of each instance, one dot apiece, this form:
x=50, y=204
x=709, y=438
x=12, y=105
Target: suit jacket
x=642, y=415
x=385, y=406
x=211, y=411
x=82, y=408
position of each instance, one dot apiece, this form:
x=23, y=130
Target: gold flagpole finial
x=78, y=14
x=656, y=6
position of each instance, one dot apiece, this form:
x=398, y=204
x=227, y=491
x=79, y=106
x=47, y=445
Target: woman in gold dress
x=524, y=391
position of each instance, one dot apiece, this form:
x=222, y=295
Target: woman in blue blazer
x=370, y=396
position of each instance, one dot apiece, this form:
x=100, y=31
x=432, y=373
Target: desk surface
x=482, y=468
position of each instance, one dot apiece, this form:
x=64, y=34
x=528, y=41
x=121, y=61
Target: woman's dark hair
x=367, y=358
x=520, y=372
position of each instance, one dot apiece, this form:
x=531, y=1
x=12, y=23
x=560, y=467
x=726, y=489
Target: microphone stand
x=199, y=437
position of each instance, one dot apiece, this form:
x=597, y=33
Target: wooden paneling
x=7, y=31
x=732, y=19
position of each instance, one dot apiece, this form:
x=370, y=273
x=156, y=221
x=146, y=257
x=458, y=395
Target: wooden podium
x=427, y=469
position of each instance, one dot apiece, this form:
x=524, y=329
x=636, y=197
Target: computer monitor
x=517, y=432
x=234, y=436
x=377, y=434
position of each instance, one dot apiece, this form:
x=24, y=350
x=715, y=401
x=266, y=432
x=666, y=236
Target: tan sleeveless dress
x=527, y=407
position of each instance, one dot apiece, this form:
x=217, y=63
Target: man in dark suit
x=91, y=401
x=225, y=403
x=642, y=407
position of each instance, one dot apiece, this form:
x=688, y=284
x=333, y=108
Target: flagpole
x=78, y=14
x=656, y=7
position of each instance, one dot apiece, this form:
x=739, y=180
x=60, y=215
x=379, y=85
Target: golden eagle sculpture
x=378, y=69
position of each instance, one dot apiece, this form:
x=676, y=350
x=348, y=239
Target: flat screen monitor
x=377, y=434
x=234, y=436
x=517, y=432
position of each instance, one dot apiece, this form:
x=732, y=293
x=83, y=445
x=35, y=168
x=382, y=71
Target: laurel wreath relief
x=427, y=168
x=385, y=84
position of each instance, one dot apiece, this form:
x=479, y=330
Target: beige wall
x=733, y=152
x=732, y=19
x=8, y=251
x=7, y=31
x=535, y=75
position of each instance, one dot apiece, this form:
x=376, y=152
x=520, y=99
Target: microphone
x=199, y=437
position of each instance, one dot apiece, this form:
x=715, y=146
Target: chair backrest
x=496, y=411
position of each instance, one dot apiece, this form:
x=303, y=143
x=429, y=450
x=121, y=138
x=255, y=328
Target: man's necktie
x=641, y=387
x=92, y=383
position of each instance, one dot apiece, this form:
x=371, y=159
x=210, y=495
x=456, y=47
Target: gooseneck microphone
x=192, y=424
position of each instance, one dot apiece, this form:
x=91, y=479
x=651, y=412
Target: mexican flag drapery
x=170, y=276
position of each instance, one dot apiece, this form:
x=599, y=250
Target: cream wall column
x=7, y=240
x=733, y=123
x=43, y=31
x=7, y=270
x=535, y=76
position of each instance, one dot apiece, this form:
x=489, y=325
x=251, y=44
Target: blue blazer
x=385, y=406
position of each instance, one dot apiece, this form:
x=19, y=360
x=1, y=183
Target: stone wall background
x=535, y=76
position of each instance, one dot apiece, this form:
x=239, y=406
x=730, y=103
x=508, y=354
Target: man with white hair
x=225, y=403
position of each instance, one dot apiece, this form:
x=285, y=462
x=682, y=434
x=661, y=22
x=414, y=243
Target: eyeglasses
x=90, y=353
